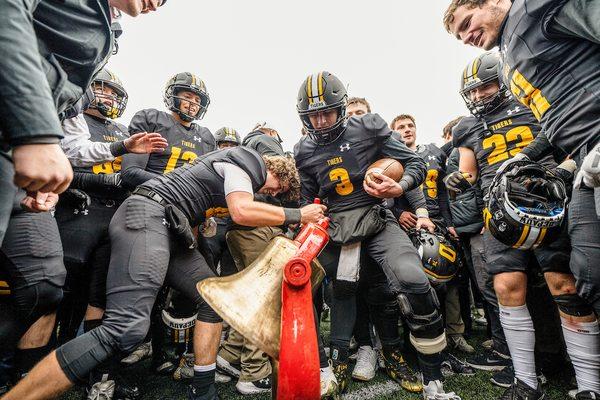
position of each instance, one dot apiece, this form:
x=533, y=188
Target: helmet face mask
x=110, y=97
x=525, y=206
x=481, y=72
x=186, y=82
x=320, y=93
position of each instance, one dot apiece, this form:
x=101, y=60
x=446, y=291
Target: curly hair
x=284, y=169
x=449, y=14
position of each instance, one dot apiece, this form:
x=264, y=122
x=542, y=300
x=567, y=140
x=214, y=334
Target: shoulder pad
x=304, y=149
x=463, y=130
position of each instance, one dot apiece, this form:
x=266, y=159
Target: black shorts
x=500, y=258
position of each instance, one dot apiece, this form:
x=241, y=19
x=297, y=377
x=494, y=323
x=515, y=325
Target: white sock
x=205, y=368
x=520, y=337
x=583, y=346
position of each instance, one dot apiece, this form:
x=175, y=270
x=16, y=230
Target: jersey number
x=109, y=167
x=499, y=142
x=188, y=156
x=345, y=187
x=530, y=96
x=431, y=183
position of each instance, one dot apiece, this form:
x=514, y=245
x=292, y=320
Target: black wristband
x=118, y=148
x=292, y=216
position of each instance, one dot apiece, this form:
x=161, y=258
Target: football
x=386, y=166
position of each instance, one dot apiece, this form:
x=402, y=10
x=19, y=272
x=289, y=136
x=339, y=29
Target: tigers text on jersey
x=335, y=171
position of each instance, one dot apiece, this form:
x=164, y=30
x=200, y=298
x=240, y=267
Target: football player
x=498, y=130
x=227, y=137
x=332, y=160
x=152, y=242
x=357, y=106
x=187, y=100
x=438, y=207
x=550, y=53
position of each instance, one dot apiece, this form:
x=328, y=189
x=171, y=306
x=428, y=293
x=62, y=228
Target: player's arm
x=578, y=18
x=414, y=166
x=245, y=211
x=309, y=189
x=133, y=170
x=85, y=181
x=461, y=180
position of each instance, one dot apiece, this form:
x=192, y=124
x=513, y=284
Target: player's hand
x=425, y=223
x=386, y=189
x=589, y=173
x=312, y=213
x=457, y=182
x=39, y=202
x=41, y=167
x=145, y=142
x=452, y=232
x=407, y=220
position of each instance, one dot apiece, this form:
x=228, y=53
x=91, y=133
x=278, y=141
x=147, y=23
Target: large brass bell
x=250, y=301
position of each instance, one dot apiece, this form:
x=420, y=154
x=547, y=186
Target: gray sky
x=254, y=55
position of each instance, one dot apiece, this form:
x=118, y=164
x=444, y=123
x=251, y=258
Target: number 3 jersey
x=497, y=137
x=185, y=145
x=335, y=172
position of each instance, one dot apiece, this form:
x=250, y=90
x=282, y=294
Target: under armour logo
x=514, y=110
x=345, y=146
x=165, y=223
x=77, y=211
x=197, y=139
x=431, y=158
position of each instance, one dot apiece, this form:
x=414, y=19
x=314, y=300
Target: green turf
x=476, y=387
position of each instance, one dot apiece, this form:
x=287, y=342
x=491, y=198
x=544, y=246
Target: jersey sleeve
x=141, y=122
x=133, y=170
x=414, y=166
x=578, y=19
x=461, y=134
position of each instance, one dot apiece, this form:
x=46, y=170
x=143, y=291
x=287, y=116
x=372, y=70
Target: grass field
x=476, y=387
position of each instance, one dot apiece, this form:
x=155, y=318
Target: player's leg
x=7, y=192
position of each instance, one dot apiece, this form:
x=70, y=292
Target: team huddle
x=106, y=230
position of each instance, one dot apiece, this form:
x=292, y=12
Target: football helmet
x=525, y=205
x=479, y=72
x=322, y=91
x=107, y=105
x=227, y=135
x=439, y=257
x=186, y=81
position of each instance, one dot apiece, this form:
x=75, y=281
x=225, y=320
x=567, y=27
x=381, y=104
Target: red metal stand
x=299, y=355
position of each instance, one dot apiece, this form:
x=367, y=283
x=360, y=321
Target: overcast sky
x=254, y=55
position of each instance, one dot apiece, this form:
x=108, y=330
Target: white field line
x=373, y=391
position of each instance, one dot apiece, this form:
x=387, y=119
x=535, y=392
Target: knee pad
x=423, y=317
x=344, y=289
x=574, y=305
x=180, y=328
x=36, y=300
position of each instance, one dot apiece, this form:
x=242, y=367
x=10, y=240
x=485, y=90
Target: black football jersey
x=497, y=137
x=185, y=144
x=434, y=189
x=105, y=131
x=335, y=172
x=556, y=76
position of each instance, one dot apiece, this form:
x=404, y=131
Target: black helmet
x=481, y=71
x=438, y=255
x=228, y=135
x=103, y=79
x=525, y=205
x=322, y=91
x=188, y=82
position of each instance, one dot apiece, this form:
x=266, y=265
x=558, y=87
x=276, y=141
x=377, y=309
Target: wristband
x=422, y=213
x=292, y=216
x=118, y=148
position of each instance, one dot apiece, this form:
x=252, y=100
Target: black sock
x=91, y=324
x=339, y=354
x=430, y=367
x=25, y=359
x=203, y=380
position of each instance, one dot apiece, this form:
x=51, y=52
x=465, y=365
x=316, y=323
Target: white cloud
x=253, y=56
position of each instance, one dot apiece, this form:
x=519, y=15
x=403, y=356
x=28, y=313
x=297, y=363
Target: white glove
x=209, y=228
x=589, y=173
